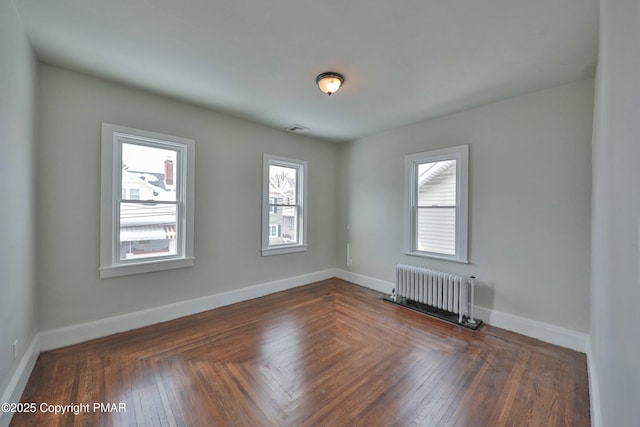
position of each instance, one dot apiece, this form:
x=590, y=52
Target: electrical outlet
x=15, y=349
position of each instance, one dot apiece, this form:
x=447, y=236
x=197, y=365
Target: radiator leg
x=472, y=301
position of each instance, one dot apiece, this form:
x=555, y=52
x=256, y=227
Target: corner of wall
x=594, y=389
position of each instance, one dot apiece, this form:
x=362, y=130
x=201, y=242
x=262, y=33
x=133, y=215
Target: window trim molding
x=301, y=196
x=460, y=153
x=112, y=136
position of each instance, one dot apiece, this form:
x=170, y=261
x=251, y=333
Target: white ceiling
x=404, y=61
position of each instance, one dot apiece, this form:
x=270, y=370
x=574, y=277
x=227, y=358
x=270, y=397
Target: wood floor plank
x=330, y=353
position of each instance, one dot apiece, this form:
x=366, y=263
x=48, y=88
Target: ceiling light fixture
x=329, y=82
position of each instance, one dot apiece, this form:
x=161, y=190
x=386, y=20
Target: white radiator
x=445, y=291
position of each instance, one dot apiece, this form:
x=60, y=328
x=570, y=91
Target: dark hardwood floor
x=330, y=353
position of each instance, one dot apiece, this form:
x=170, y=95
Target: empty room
x=296, y=213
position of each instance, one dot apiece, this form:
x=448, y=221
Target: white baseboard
x=594, y=389
x=18, y=381
x=535, y=329
x=531, y=328
x=366, y=281
x=68, y=335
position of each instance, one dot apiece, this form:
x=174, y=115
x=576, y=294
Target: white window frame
x=113, y=136
x=301, y=197
x=459, y=153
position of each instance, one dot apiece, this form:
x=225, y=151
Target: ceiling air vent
x=298, y=129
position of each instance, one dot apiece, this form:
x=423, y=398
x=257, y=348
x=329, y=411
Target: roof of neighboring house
x=148, y=232
x=437, y=169
x=154, y=179
x=287, y=184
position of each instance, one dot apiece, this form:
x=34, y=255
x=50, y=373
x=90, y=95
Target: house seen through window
x=283, y=214
x=284, y=210
x=436, y=207
x=148, y=216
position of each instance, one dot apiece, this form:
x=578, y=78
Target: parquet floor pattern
x=327, y=354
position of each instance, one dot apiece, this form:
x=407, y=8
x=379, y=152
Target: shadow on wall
x=484, y=294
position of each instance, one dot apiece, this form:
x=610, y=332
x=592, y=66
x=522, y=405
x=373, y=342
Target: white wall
x=17, y=220
x=615, y=293
x=228, y=200
x=530, y=175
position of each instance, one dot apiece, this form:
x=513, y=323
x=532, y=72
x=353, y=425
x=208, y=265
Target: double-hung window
x=436, y=203
x=147, y=200
x=284, y=205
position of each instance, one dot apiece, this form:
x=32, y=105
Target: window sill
x=144, y=267
x=436, y=256
x=283, y=250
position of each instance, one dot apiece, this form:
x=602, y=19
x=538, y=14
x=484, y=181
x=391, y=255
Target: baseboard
x=18, y=381
x=531, y=328
x=594, y=389
x=535, y=329
x=366, y=281
x=68, y=335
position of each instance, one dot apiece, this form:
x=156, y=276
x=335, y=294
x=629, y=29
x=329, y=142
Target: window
x=436, y=203
x=147, y=199
x=284, y=202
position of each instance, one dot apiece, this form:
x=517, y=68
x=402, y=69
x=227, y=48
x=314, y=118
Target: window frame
x=301, y=167
x=113, y=136
x=460, y=154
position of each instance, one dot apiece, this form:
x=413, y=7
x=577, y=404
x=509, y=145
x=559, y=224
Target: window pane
x=437, y=183
x=283, y=227
x=437, y=230
x=283, y=221
x=147, y=230
x=283, y=184
x=148, y=173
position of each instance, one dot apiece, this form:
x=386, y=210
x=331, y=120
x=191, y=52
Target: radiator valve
x=393, y=294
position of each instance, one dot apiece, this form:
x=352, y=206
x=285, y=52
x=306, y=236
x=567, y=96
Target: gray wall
x=17, y=219
x=530, y=176
x=615, y=294
x=228, y=200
